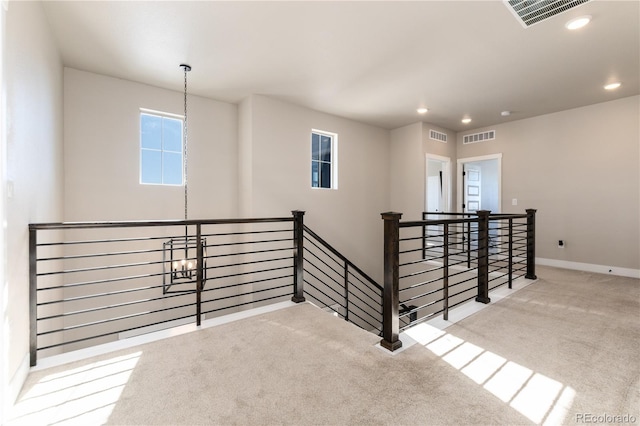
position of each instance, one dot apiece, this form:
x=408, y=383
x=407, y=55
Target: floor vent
x=479, y=137
x=529, y=12
x=437, y=136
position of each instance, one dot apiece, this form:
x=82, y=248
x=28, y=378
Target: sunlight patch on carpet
x=541, y=399
x=84, y=395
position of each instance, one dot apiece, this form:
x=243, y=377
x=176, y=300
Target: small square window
x=161, y=160
x=323, y=160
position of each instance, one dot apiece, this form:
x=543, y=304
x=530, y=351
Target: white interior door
x=479, y=183
x=472, y=188
x=480, y=188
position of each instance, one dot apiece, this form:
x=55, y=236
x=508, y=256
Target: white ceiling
x=374, y=62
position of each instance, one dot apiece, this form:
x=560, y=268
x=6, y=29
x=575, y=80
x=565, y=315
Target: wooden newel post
x=483, y=256
x=531, y=244
x=390, y=296
x=298, y=256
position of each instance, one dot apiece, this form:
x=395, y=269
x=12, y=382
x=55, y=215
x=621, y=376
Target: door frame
x=460, y=184
x=446, y=180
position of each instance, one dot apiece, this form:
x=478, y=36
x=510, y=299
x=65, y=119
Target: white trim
x=460, y=182
x=16, y=383
x=447, y=178
x=80, y=354
x=458, y=314
x=334, y=157
x=162, y=113
x=589, y=267
x=156, y=327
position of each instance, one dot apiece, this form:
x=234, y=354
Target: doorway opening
x=438, y=184
x=437, y=193
x=480, y=183
x=480, y=188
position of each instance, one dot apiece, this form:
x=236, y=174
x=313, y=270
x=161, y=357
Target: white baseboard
x=15, y=385
x=437, y=325
x=129, y=342
x=589, y=267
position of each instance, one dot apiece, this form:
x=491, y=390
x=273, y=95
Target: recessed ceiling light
x=613, y=86
x=579, y=22
x=422, y=110
x=466, y=120
x=505, y=113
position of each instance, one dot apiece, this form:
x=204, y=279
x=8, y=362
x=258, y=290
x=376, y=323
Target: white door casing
x=437, y=183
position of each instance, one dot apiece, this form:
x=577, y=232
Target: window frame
x=333, y=163
x=163, y=115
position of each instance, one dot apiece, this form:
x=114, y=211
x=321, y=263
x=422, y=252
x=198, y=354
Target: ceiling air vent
x=479, y=137
x=530, y=12
x=437, y=136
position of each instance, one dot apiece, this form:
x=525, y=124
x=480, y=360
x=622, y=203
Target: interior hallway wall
x=34, y=164
x=580, y=168
x=407, y=172
x=280, y=176
x=407, y=162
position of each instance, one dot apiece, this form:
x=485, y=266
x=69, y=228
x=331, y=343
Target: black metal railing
x=336, y=284
x=93, y=283
x=436, y=264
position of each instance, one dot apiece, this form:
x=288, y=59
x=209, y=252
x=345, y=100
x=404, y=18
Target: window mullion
x=162, y=150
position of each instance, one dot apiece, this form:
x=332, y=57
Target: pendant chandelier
x=179, y=254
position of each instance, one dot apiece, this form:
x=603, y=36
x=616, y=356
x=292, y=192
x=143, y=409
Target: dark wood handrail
x=131, y=224
x=491, y=216
x=497, y=216
x=449, y=213
x=342, y=257
x=436, y=222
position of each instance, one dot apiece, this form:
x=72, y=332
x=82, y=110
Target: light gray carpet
x=562, y=347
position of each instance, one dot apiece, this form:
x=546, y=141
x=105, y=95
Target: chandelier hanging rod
x=185, y=135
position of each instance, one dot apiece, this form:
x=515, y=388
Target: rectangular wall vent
x=529, y=12
x=479, y=137
x=437, y=136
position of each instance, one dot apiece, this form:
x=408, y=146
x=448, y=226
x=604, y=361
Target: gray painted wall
x=33, y=87
x=580, y=169
x=102, y=152
x=280, y=158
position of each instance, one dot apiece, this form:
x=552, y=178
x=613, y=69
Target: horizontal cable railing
x=437, y=267
x=507, y=249
x=447, y=259
x=94, y=283
x=334, y=283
